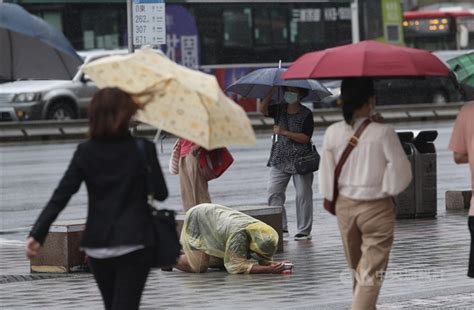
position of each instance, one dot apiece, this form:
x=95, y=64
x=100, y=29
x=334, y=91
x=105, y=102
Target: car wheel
x=61, y=111
x=439, y=97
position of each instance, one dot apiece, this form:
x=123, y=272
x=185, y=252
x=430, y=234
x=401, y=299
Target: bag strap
x=353, y=141
x=148, y=177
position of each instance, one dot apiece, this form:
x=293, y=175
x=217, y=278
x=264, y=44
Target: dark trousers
x=121, y=279
x=470, y=272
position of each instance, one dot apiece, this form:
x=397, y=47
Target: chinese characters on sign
x=148, y=22
x=316, y=15
x=182, y=40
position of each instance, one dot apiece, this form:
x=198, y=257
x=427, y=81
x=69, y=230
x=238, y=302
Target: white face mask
x=291, y=97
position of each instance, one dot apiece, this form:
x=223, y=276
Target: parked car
x=436, y=90
x=50, y=99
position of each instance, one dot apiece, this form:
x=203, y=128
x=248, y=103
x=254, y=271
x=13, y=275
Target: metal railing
x=77, y=129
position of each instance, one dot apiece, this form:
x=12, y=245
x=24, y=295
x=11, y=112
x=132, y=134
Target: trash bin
x=406, y=200
x=425, y=173
x=419, y=199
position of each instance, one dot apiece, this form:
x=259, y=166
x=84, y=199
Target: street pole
x=131, y=48
x=355, y=21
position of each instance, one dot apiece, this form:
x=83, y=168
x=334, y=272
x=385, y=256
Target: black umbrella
x=33, y=49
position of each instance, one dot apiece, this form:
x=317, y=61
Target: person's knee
x=276, y=199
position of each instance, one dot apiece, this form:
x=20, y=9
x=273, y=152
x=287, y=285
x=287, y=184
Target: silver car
x=50, y=99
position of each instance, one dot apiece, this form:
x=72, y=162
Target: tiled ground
x=427, y=267
x=429, y=256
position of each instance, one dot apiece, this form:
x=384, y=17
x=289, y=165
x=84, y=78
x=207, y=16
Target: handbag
x=214, y=163
x=308, y=163
x=167, y=248
x=330, y=205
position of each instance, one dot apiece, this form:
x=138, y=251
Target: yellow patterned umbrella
x=184, y=102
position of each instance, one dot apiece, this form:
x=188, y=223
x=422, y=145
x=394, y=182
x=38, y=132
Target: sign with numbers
x=148, y=19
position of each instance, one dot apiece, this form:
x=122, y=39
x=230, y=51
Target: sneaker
x=299, y=237
x=285, y=234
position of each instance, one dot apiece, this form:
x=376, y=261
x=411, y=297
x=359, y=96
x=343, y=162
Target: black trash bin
x=406, y=200
x=419, y=199
x=425, y=173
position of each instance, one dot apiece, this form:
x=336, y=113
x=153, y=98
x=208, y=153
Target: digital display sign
x=427, y=26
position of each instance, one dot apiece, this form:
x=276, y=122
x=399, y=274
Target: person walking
x=119, y=235
x=462, y=146
x=194, y=186
x=214, y=236
x=293, y=130
x=375, y=171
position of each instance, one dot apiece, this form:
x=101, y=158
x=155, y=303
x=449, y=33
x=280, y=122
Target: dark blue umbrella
x=258, y=83
x=33, y=49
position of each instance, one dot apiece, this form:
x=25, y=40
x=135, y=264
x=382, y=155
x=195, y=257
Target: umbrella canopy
x=33, y=49
x=463, y=67
x=184, y=102
x=258, y=83
x=367, y=58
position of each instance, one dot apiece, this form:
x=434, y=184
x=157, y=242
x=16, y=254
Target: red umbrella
x=367, y=58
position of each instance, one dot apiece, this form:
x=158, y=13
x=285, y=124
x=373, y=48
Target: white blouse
x=376, y=168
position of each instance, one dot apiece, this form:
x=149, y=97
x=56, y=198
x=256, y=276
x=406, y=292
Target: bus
x=439, y=30
x=225, y=38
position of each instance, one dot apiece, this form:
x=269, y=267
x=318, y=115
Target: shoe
x=299, y=237
x=285, y=234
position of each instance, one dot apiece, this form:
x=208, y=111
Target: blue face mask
x=291, y=97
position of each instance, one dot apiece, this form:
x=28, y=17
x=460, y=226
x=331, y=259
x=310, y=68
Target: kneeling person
x=217, y=236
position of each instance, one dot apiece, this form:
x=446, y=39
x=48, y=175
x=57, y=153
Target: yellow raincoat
x=227, y=234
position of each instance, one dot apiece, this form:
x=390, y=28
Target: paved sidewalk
x=427, y=268
x=429, y=258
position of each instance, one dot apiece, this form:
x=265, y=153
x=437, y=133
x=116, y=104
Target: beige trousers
x=194, y=189
x=367, y=234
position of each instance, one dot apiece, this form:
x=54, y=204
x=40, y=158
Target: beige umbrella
x=184, y=102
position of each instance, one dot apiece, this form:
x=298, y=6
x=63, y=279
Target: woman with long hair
x=118, y=237
x=375, y=171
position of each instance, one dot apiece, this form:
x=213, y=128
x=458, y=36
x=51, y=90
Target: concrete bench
x=61, y=254
x=458, y=200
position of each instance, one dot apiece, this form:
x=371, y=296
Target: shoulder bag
x=167, y=247
x=214, y=163
x=308, y=163
x=330, y=205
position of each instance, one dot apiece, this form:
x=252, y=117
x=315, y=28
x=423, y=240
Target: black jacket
x=114, y=173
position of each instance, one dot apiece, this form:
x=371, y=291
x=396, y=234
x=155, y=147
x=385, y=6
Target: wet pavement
x=427, y=267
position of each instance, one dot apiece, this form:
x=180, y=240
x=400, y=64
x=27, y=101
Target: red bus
x=439, y=30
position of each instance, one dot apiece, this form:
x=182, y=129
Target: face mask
x=291, y=97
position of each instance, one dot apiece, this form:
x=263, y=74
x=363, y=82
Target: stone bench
x=458, y=200
x=61, y=254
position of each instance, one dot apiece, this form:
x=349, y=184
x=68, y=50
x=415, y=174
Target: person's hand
x=279, y=130
x=195, y=150
x=276, y=267
x=377, y=117
x=31, y=247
